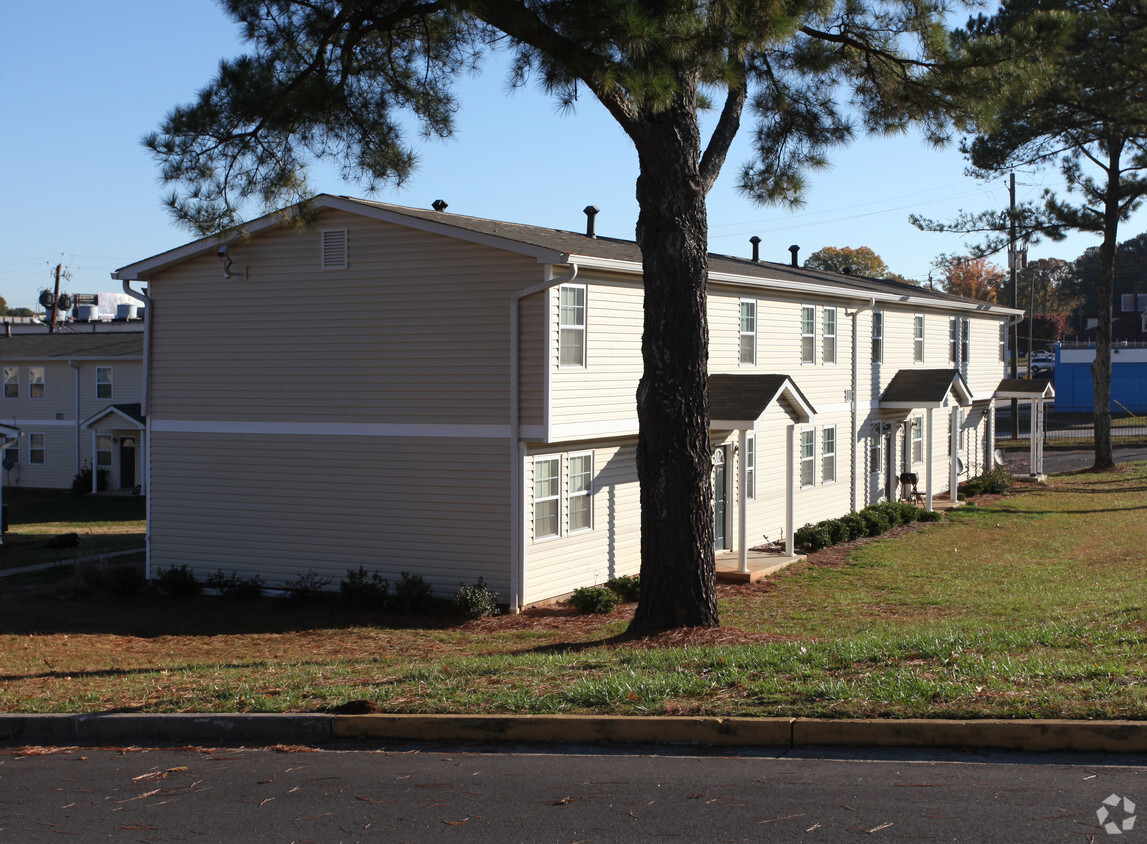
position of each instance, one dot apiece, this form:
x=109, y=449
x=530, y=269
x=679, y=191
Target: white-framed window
x=547, y=497
x=965, y=341
x=877, y=336
x=580, y=503
x=748, y=331
x=808, y=458
x=1127, y=302
x=1003, y=342
x=103, y=451
x=918, y=438
x=828, y=454
x=808, y=334
x=828, y=327
x=11, y=382
x=750, y=467
x=875, y=449
x=918, y=338
x=954, y=341
x=35, y=382
x=103, y=382
x=962, y=429
x=335, y=249
x=571, y=342
x=36, y=449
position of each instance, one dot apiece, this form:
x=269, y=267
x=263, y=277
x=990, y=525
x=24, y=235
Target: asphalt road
x=566, y=795
x=1054, y=460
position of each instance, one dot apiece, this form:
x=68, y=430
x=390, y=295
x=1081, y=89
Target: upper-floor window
x=571, y=343
x=11, y=382
x=547, y=497
x=581, y=492
x=750, y=467
x=954, y=341
x=808, y=334
x=36, y=382
x=829, y=335
x=1003, y=342
x=877, y=336
x=918, y=338
x=808, y=458
x=36, y=448
x=965, y=341
x=918, y=438
x=103, y=382
x=749, y=331
x=828, y=454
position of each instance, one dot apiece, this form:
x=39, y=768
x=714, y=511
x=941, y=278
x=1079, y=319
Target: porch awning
x=131, y=414
x=1025, y=390
x=737, y=401
x=922, y=388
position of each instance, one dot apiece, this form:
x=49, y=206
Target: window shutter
x=335, y=249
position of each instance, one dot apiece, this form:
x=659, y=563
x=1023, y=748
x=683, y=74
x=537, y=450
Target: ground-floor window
x=547, y=497
x=918, y=438
x=828, y=454
x=36, y=448
x=103, y=451
x=750, y=467
x=808, y=458
x=581, y=492
x=875, y=450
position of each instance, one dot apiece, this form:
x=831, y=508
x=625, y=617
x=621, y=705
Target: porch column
x=742, y=502
x=954, y=462
x=1037, y=437
x=791, y=492
x=991, y=434
x=929, y=474
x=95, y=461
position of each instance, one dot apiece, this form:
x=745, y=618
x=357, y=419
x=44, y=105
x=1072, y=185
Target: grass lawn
x=1030, y=605
x=105, y=523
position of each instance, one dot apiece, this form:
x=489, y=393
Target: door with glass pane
x=720, y=499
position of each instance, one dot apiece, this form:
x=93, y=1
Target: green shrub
x=235, y=588
x=305, y=589
x=361, y=590
x=875, y=521
x=909, y=512
x=891, y=511
x=929, y=516
x=855, y=525
x=477, y=601
x=627, y=587
x=813, y=537
x=82, y=481
x=411, y=594
x=997, y=481
x=178, y=583
x=837, y=529
x=597, y=599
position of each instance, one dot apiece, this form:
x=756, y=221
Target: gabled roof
x=920, y=388
x=1023, y=388
x=130, y=413
x=554, y=246
x=739, y=400
x=64, y=345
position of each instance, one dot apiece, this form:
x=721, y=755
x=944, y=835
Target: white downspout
x=856, y=476
x=517, y=447
x=144, y=401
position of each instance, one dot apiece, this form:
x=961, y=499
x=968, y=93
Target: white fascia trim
x=330, y=429
x=111, y=411
x=32, y=424
x=593, y=430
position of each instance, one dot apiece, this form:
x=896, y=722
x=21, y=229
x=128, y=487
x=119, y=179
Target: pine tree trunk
x=1105, y=298
x=674, y=459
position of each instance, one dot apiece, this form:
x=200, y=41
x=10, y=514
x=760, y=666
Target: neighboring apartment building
x=467, y=408
x=54, y=387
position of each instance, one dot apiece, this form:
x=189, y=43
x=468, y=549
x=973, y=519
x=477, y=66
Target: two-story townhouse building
x=72, y=400
x=469, y=407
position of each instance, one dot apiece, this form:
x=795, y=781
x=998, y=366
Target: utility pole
x=55, y=309
x=1015, y=329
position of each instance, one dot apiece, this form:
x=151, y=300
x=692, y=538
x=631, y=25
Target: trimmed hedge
x=871, y=521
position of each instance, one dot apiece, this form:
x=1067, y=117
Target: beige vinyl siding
x=415, y=330
x=277, y=506
x=532, y=359
x=767, y=511
x=985, y=368
x=59, y=455
x=605, y=390
x=613, y=548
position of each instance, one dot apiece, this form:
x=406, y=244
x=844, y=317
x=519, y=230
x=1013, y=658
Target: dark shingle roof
x=921, y=387
x=65, y=345
x=746, y=396
x=1036, y=388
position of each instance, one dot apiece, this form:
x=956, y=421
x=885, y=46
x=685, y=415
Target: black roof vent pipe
x=794, y=249
x=590, y=214
x=847, y=271
x=439, y=205
x=756, y=241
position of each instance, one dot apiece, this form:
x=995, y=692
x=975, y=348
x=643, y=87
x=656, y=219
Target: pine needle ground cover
x=1029, y=605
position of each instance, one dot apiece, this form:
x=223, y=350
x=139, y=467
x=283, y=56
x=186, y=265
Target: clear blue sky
x=84, y=81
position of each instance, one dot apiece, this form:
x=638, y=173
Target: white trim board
x=413, y=430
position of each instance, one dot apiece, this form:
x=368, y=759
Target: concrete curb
x=317, y=729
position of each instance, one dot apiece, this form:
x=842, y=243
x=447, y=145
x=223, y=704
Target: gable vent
x=335, y=249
